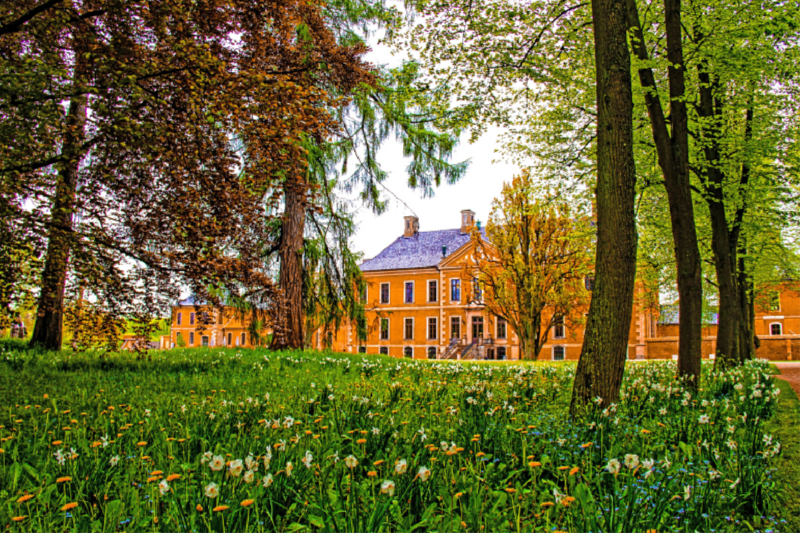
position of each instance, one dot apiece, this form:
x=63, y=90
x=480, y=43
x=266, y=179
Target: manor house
x=418, y=306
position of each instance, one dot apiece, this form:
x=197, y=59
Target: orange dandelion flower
x=563, y=467
x=63, y=479
x=586, y=445
x=534, y=464
x=153, y=478
x=142, y=443
x=378, y=462
x=25, y=498
x=57, y=443
x=361, y=441
x=247, y=503
x=220, y=508
x=568, y=500
x=548, y=504
x=480, y=454
x=19, y=518
x=173, y=477
x=510, y=490
x=69, y=506
x=199, y=508
x=574, y=471
x=372, y=473
x=458, y=495
x=156, y=473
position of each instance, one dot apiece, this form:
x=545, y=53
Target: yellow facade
x=209, y=326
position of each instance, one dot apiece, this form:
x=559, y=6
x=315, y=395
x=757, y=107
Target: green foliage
x=481, y=446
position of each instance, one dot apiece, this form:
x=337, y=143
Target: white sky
x=482, y=182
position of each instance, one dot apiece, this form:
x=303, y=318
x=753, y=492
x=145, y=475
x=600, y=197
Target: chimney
x=467, y=220
x=411, y=226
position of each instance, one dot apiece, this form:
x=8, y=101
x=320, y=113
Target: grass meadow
x=225, y=440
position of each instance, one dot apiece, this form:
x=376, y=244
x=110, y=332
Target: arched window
x=558, y=353
x=776, y=329
x=408, y=351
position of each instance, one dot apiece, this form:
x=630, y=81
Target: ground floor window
x=558, y=353
x=455, y=327
x=384, y=350
x=243, y=338
x=501, y=352
x=230, y=338
x=431, y=352
x=204, y=340
x=362, y=349
x=408, y=351
x=191, y=338
x=775, y=329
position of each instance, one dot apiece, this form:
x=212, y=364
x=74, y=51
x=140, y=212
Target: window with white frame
x=431, y=352
x=191, y=338
x=558, y=353
x=432, y=333
x=244, y=338
x=408, y=328
x=408, y=352
x=362, y=349
x=455, y=327
x=501, y=352
x=558, y=327
x=502, y=328
x=384, y=329
x=433, y=290
x=455, y=290
x=384, y=293
x=408, y=293
x=204, y=340
x=776, y=329
x=384, y=350
x=180, y=318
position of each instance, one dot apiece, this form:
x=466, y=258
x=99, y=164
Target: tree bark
x=604, y=350
x=747, y=317
x=48, y=329
x=723, y=249
x=673, y=158
x=291, y=273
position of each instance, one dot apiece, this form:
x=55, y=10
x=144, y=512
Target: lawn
x=229, y=440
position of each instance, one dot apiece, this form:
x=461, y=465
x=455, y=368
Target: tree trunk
x=673, y=158
x=747, y=310
x=727, y=353
x=291, y=274
x=47, y=332
x=604, y=350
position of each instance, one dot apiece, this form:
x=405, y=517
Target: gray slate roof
x=423, y=250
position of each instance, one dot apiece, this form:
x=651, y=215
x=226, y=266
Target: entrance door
x=477, y=327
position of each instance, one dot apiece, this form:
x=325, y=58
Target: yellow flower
x=247, y=503
x=63, y=479
x=69, y=506
x=220, y=508
x=25, y=498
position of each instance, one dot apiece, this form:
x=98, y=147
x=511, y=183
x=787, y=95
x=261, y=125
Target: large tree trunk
x=747, y=310
x=47, y=332
x=723, y=249
x=604, y=350
x=673, y=158
x=291, y=274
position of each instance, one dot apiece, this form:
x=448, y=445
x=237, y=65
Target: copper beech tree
x=150, y=144
x=532, y=263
